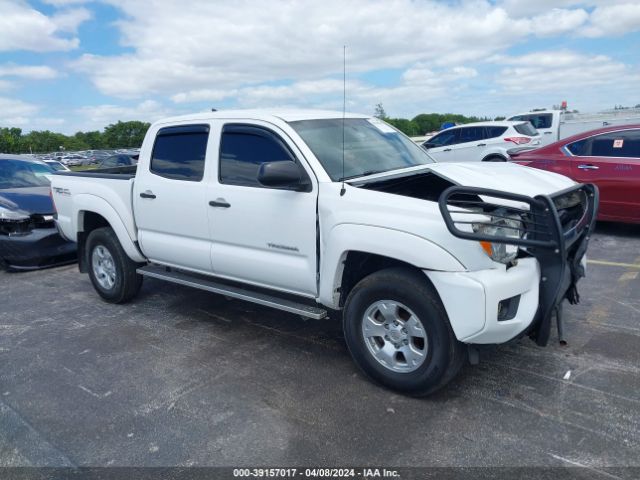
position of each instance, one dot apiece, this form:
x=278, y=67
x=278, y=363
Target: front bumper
x=40, y=248
x=555, y=234
x=472, y=299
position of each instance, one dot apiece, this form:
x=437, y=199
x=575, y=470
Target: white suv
x=481, y=141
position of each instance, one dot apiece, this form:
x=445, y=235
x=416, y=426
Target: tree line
x=425, y=122
x=130, y=134
x=116, y=135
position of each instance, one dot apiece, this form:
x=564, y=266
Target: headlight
x=500, y=227
x=14, y=222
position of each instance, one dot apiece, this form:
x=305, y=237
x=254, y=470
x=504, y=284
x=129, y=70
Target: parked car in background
x=555, y=125
x=72, y=160
x=608, y=157
x=28, y=235
x=481, y=141
x=56, y=165
x=121, y=160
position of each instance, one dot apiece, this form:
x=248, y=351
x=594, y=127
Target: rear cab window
x=538, y=120
x=179, y=152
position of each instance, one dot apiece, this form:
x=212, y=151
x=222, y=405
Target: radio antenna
x=344, y=108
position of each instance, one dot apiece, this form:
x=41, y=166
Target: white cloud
x=532, y=7
x=15, y=113
x=563, y=71
x=96, y=117
x=613, y=20
x=24, y=28
x=557, y=21
x=70, y=20
x=206, y=48
x=32, y=72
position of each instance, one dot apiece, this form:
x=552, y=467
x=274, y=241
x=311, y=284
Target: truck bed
x=74, y=192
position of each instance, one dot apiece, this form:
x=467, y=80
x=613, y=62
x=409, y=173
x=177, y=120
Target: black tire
x=494, y=158
x=127, y=281
x=445, y=355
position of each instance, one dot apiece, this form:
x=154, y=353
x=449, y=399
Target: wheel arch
x=93, y=212
x=355, y=251
x=491, y=156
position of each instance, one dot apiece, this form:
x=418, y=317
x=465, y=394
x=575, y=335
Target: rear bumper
x=42, y=247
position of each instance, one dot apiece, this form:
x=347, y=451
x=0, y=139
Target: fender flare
x=91, y=203
x=396, y=244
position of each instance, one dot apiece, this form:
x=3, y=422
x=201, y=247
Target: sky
x=70, y=65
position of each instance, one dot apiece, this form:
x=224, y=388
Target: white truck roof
x=288, y=115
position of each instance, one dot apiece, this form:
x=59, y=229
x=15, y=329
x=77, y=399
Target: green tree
x=497, y=119
x=10, y=140
x=125, y=134
x=408, y=127
x=379, y=112
x=92, y=139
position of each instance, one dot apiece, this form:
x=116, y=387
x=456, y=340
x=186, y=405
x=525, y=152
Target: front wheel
x=398, y=332
x=112, y=272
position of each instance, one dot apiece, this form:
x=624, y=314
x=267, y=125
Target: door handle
x=588, y=167
x=147, y=194
x=481, y=145
x=446, y=150
x=547, y=133
x=220, y=202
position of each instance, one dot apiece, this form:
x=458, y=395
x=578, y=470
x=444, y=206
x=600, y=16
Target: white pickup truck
x=307, y=211
x=554, y=125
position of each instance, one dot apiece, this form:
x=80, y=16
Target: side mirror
x=427, y=145
x=283, y=174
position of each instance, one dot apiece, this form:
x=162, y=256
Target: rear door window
x=471, y=134
x=616, y=144
x=494, y=132
x=179, y=152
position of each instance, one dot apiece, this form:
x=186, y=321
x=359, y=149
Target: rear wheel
x=112, y=272
x=398, y=332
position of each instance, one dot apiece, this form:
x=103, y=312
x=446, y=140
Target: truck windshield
x=22, y=173
x=370, y=146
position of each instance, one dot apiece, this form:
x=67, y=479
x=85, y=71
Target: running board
x=202, y=283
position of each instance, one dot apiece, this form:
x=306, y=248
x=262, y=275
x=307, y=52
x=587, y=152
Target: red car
x=608, y=157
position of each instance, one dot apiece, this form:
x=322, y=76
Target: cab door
x=471, y=146
x=169, y=198
x=612, y=161
x=262, y=236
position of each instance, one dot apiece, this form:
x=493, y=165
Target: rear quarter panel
x=74, y=194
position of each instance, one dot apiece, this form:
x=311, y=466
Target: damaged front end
x=555, y=229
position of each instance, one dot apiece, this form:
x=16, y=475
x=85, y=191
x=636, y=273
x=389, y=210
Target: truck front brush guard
x=555, y=229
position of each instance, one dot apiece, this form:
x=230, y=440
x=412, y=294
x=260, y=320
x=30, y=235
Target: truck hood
x=503, y=176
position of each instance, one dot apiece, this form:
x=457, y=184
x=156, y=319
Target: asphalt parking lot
x=184, y=377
